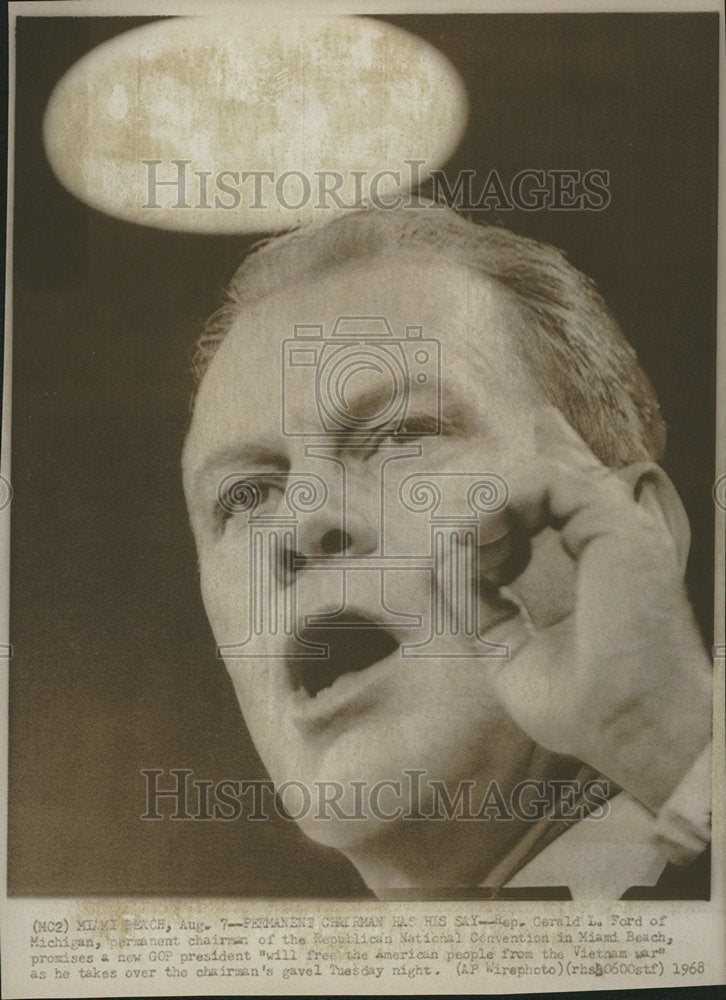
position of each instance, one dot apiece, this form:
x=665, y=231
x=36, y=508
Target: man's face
x=363, y=557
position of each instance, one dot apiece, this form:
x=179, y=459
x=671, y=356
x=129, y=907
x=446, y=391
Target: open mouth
x=352, y=647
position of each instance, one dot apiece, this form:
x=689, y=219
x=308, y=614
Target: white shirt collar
x=602, y=856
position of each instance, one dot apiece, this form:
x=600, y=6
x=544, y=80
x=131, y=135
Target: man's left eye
x=415, y=427
x=412, y=429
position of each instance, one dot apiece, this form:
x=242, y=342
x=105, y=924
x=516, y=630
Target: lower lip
x=357, y=692
x=350, y=695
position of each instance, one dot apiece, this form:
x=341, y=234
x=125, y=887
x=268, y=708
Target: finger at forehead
x=580, y=502
x=504, y=560
x=556, y=438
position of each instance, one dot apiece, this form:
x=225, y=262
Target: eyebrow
x=454, y=408
x=247, y=456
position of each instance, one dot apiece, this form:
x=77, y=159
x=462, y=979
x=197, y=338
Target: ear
x=653, y=490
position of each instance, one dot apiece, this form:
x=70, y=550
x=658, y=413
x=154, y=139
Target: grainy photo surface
x=362, y=500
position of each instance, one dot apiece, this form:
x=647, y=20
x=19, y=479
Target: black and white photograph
x=362, y=499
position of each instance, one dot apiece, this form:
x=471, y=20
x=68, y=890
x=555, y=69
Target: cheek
x=250, y=689
x=225, y=588
x=470, y=735
x=270, y=740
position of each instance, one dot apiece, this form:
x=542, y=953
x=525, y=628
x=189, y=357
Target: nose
x=335, y=542
x=331, y=531
x=336, y=532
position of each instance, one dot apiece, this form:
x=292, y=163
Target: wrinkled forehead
x=473, y=324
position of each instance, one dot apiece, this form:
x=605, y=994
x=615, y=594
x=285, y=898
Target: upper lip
x=354, y=642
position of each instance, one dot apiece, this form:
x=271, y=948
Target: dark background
x=114, y=666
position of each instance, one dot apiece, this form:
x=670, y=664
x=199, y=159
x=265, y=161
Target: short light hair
x=573, y=347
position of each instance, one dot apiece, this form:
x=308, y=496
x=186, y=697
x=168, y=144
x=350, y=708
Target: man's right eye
x=245, y=495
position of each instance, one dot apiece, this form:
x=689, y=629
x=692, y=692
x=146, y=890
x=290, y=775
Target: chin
x=348, y=797
x=347, y=836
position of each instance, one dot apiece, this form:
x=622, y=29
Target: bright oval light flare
x=253, y=123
